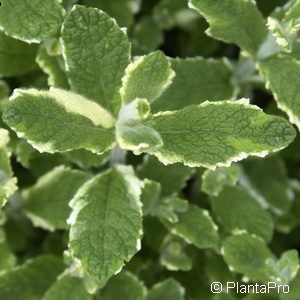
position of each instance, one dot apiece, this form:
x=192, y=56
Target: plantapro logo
x=218, y=287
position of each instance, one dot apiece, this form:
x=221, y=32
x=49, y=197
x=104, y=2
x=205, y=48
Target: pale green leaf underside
x=282, y=74
x=247, y=254
x=97, y=52
x=106, y=222
x=217, y=133
x=57, y=121
x=196, y=227
x=234, y=21
x=197, y=80
x=16, y=57
x=67, y=287
x=50, y=210
x=169, y=289
x=214, y=181
x=125, y=286
x=146, y=78
x=52, y=67
x=30, y=280
x=237, y=210
x=31, y=20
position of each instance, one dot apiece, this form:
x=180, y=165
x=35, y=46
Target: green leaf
x=106, y=222
x=173, y=255
x=217, y=133
x=57, y=121
x=146, y=78
x=247, y=254
x=168, y=209
x=237, y=210
x=234, y=21
x=197, y=79
x=38, y=21
x=284, y=24
x=150, y=196
x=52, y=66
x=7, y=258
x=30, y=280
x=124, y=286
x=214, y=181
x=16, y=57
x=50, y=210
x=196, y=227
x=4, y=90
x=146, y=36
x=67, y=287
x=169, y=289
x=134, y=136
x=122, y=11
x=8, y=183
x=152, y=169
x=95, y=68
x=131, y=134
x=86, y=159
x=268, y=182
x=284, y=270
x=283, y=84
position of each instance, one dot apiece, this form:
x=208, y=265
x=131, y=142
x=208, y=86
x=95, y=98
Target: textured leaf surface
x=57, y=121
x=284, y=84
x=285, y=269
x=8, y=184
x=197, y=80
x=237, y=210
x=214, y=181
x=123, y=286
x=51, y=65
x=284, y=24
x=196, y=227
x=30, y=280
x=50, y=210
x=16, y=57
x=273, y=191
x=217, y=133
x=67, y=287
x=247, y=254
x=147, y=77
x=106, y=223
x=234, y=21
x=31, y=20
x=95, y=68
x=153, y=169
x=169, y=289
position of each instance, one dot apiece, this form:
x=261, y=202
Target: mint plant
x=148, y=148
